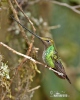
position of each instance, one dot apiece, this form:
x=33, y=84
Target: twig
x=18, y=53
x=16, y=17
x=33, y=2
x=21, y=29
x=76, y=7
x=25, y=59
x=53, y=27
x=73, y=8
x=35, y=88
x=31, y=44
x=25, y=16
x=29, y=22
x=4, y=95
x=61, y=74
x=30, y=58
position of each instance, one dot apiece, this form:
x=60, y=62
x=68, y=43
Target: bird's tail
x=68, y=79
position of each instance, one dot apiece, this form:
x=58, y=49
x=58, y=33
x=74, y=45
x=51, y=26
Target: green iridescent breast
x=48, y=55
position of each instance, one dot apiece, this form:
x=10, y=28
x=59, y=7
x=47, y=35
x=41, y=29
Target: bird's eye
x=48, y=41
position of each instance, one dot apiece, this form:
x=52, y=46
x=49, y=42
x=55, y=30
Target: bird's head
x=47, y=41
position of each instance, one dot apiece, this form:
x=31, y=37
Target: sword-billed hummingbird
x=50, y=55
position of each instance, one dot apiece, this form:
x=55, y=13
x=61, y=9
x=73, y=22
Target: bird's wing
x=58, y=64
x=59, y=67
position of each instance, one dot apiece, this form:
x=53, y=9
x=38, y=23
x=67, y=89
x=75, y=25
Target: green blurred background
x=67, y=41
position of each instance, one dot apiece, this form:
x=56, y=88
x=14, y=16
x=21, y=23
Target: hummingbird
x=50, y=55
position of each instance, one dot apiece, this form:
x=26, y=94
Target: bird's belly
x=47, y=59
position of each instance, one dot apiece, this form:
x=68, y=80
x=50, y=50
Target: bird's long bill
x=27, y=29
